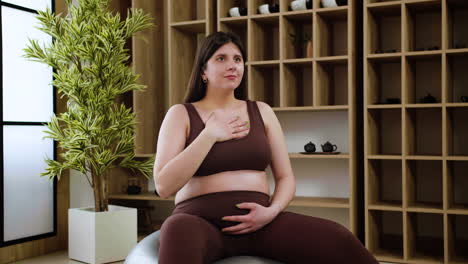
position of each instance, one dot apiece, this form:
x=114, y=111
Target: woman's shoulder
x=177, y=112
x=265, y=109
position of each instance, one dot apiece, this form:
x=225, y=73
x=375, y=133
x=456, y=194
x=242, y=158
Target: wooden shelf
x=421, y=157
x=319, y=156
x=384, y=157
x=311, y=108
x=385, y=206
x=197, y=26
x=341, y=59
x=320, y=202
x=147, y=196
x=384, y=106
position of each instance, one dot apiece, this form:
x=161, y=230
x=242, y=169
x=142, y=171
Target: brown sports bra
x=251, y=152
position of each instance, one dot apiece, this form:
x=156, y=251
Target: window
x=28, y=201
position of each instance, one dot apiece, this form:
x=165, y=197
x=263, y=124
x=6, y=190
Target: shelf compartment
x=384, y=132
x=264, y=83
x=332, y=33
x=331, y=83
x=457, y=19
x=298, y=30
x=425, y=237
x=298, y=84
x=384, y=81
x=385, y=182
x=423, y=77
x=458, y=238
x=424, y=131
x=183, y=49
x=383, y=29
x=457, y=79
x=385, y=234
x=457, y=182
x=424, y=30
x=238, y=27
x=457, y=129
x=264, y=40
x=424, y=184
x=225, y=5
x=187, y=10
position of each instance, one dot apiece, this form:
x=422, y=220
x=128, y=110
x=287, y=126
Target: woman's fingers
x=236, y=228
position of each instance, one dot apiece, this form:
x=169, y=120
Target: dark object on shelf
x=321, y=153
x=268, y=8
x=433, y=48
x=393, y=101
x=238, y=11
x=300, y=5
x=464, y=98
x=428, y=99
x=133, y=189
x=378, y=51
x=329, y=147
x=391, y=51
x=156, y=192
x=460, y=46
x=333, y=3
x=419, y=49
x=309, y=147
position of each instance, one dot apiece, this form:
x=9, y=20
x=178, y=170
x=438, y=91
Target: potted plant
x=96, y=133
x=302, y=42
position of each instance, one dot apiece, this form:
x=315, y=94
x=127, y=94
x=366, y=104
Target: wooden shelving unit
x=416, y=160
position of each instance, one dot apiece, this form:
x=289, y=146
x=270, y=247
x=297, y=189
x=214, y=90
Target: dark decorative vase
x=309, y=147
x=428, y=99
x=133, y=189
x=464, y=98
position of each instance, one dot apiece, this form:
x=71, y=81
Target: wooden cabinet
x=416, y=161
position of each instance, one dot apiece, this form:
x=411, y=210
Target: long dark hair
x=196, y=89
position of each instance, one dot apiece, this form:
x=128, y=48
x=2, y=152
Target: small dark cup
x=464, y=98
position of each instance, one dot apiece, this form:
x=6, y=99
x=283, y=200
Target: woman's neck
x=219, y=101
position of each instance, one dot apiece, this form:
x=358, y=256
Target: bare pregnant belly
x=241, y=180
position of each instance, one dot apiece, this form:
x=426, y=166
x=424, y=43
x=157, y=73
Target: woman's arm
x=174, y=165
x=285, y=185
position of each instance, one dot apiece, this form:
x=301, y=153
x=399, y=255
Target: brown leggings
x=192, y=234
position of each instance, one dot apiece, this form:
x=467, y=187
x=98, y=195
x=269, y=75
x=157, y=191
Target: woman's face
x=225, y=68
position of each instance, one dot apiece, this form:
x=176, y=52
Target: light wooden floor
x=61, y=257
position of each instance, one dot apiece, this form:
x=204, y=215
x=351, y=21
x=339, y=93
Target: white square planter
x=101, y=237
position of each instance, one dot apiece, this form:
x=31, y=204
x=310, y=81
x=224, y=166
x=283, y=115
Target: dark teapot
x=309, y=147
x=329, y=147
x=428, y=99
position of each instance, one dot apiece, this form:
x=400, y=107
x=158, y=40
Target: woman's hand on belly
x=258, y=217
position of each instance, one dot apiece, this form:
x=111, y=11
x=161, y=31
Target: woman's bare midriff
x=240, y=180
